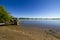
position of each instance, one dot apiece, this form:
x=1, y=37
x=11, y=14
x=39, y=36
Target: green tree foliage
x=4, y=15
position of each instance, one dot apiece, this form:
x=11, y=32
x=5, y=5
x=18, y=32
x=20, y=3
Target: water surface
x=41, y=23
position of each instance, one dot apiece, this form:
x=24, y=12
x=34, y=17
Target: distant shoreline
x=39, y=18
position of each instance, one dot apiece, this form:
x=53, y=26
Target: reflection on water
x=44, y=23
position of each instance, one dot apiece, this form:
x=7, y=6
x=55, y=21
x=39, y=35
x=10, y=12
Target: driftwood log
x=14, y=21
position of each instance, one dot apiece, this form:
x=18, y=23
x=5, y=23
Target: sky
x=32, y=8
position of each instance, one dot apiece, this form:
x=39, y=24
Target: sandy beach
x=20, y=33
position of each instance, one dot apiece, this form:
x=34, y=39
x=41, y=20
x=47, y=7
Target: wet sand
x=42, y=32
x=28, y=33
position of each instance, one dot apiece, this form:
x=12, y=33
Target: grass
x=18, y=33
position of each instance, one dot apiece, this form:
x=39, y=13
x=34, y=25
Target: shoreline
x=13, y=32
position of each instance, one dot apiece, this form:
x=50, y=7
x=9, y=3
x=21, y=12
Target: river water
x=41, y=23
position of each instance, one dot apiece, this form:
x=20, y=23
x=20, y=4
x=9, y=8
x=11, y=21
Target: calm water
x=41, y=23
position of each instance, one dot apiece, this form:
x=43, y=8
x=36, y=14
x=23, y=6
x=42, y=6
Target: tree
x=4, y=15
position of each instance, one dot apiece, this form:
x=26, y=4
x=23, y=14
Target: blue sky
x=32, y=8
